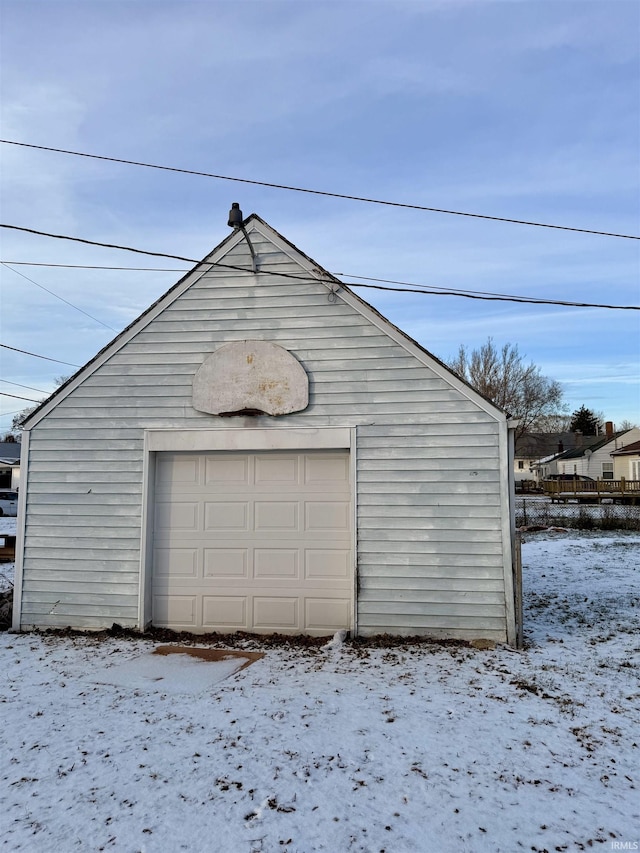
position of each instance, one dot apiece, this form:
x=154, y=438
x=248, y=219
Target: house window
x=634, y=467
x=607, y=470
x=520, y=465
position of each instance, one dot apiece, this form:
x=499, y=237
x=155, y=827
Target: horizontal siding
x=424, y=567
x=429, y=487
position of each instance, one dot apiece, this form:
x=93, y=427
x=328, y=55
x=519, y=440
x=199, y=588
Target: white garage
x=257, y=542
x=262, y=451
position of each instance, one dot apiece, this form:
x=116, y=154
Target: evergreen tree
x=585, y=421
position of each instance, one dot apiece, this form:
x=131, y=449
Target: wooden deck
x=7, y=548
x=592, y=491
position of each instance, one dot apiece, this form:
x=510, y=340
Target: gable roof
x=592, y=444
x=630, y=449
x=314, y=272
x=539, y=444
x=10, y=451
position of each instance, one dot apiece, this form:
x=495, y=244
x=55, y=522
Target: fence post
x=524, y=511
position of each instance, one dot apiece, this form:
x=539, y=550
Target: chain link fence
x=534, y=511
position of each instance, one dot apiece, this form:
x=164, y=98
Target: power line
x=435, y=290
x=30, y=387
x=467, y=295
x=35, y=355
x=317, y=192
x=66, y=301
x=96, y=267
x=16, y=397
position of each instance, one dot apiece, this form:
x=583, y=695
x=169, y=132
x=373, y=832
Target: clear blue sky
x=528, y=110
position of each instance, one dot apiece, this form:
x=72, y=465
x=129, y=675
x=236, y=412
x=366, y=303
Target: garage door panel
x=319, y=470
x=327, y=564
x=276, y=515
x=175, y=610
x=224, y=611
x=177, y=470
x=326, y=614
x=233, y=470
x=181, y=515
x=232, y=515
x=276, y=563
x=276, y=613
x=257, y=542
x=327, y=515
x=278, y=469
x=176, y=562
x=226, y=562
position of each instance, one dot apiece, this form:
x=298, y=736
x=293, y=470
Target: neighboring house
x=263, y=451
x=626, y=461
x=533, y=448
x=594, y=459
x=10, y=464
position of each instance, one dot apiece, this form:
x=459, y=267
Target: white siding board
x=79, y=616
x=93, y=567
x=107, y=495
x=115, y=551
x=464, y=429
x=418, y=599
x=431, y=522
x=439, y=624
x=462, y=584
x=437, y=562
x=74, y=591
x=414, y=464
x=75, y=533
x=445, y=487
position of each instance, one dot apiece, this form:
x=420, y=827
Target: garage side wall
x=430, y=491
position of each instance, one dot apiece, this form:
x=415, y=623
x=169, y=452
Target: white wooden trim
x=197, y=440
x=20, y=531
x=146, y=533
x=506, y=478
x=354, y=527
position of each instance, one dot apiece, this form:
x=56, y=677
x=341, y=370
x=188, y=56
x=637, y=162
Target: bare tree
x=552, y=424
x=503, y=377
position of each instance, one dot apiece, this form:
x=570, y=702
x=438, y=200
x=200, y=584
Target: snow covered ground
x=407, y=749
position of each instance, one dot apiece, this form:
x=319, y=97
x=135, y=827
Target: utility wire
x=35, y=355
x=16, y=397
x=317, y=192
x=470, y=295
x=30, y=387
x=96, y=267
x=433, y=289
x=66, y=301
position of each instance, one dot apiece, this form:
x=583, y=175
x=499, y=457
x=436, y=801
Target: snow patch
x=173, y=674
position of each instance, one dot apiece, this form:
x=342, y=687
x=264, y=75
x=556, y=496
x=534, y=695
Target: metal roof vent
x=236, y=221
x=235, y=216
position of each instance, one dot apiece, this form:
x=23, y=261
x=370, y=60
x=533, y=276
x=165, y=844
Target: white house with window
x=626, y=462
x=595, y=459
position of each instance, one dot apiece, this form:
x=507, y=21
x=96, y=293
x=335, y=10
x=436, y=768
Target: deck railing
x=592, y=488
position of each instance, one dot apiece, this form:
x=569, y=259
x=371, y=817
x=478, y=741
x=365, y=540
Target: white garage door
x=253, y=542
